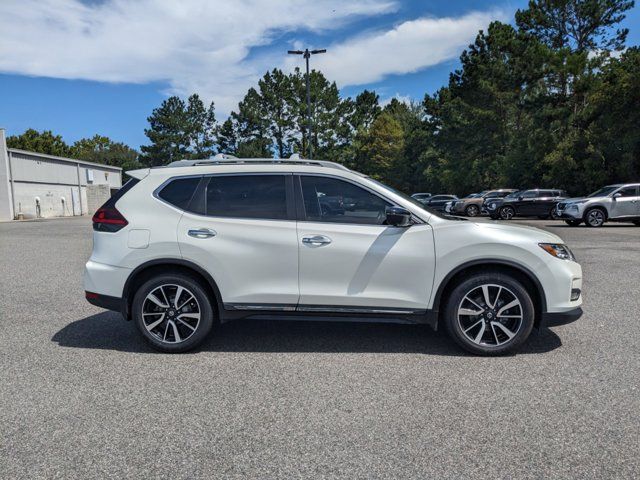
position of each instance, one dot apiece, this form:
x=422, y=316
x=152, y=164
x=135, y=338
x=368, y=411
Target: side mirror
x=617, y=195
x=398, y=217
x=520, y=198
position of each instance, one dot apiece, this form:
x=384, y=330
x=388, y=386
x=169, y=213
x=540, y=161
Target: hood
x=531, y=233
x=580, y=199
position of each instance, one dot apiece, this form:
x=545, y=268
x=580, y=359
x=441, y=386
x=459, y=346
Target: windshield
x=415, y=202
x=603, y=192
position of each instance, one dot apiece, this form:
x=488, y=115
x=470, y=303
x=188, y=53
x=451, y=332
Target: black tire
x=511, y=288
x=595, y=217
x=573, y=223
x=195, y=334
x=507, y=213
x=553, y=215
x=472, y=211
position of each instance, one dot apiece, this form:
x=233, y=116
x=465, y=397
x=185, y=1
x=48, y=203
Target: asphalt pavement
x=81, y=396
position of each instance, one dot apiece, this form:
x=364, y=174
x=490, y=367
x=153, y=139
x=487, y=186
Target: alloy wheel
x=171, y=313
x=595, y=217
x=507, y=213
x=490, y=315
x=472, y=210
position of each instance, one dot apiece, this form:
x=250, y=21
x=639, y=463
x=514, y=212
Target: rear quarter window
x=179, y=191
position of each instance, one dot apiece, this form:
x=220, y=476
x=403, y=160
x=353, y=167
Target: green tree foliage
x=100, y=149
x=179, y=130
x=523, y=108
x=41, y=142
x=380, y=149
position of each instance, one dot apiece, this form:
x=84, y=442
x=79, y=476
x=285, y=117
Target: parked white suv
x=181, y=247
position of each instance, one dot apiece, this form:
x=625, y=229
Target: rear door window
x=247, y=196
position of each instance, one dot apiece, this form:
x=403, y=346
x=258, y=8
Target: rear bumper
x=551, y=319
x=105, y=301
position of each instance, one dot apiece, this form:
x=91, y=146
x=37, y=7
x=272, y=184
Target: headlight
x=558, y=250
x=491, y=206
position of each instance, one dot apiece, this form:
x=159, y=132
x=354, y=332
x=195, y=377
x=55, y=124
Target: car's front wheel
x=489, y=313
x=472, y=211
x=507, y=213
x=173, y=312
x=595, y=217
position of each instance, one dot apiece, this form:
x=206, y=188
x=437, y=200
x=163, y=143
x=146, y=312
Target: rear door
x=241, y=229
x=544, y=202
x=351, y=260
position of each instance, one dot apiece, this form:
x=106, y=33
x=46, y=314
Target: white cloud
x=194, y=45
x=401, y=98
x=407, y=48
x=204, y=46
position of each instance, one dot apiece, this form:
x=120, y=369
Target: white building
x=34, y=185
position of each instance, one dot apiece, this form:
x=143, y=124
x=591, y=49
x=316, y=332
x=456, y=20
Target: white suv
x=182, y=247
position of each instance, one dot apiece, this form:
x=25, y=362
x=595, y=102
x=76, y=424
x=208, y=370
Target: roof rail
x=223, y=159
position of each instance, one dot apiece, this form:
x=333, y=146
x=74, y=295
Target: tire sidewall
x=206, y=312
x=458, y=293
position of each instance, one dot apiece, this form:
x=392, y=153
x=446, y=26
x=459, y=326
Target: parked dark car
x=437, y=202
x=538, y=202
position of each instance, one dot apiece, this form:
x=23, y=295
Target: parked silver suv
x=617, y=203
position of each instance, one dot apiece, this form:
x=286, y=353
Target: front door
x=350, y=260
x=246, y=239
x=627, y=204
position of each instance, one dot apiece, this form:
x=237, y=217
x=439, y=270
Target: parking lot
x=82, y=396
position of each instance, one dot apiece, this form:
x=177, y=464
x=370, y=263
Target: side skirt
x=324, y=313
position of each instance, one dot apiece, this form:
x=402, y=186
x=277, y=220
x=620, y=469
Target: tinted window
x=441, y=197
x=530, y=194
x=178, y=192
x=546, y=193
x=628, y=192
x=332, y=200
x=247, y=196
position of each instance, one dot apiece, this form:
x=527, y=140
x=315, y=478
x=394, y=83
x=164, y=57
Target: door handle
x=202, y=233
x=316, y=240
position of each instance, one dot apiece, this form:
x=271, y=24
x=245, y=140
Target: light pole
x=307, y=54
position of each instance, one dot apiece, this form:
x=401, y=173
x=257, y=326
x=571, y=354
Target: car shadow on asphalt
x=108, y=331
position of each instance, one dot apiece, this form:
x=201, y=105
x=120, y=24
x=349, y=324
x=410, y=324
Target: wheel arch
x=146, y=270
x=599, y=207
x=519, y=271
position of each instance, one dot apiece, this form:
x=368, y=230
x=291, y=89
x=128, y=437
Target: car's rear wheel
x=573, y=223
x=553, y=214
x=507, y=213
x=472, y=211
x=173, y=312
x=489, y=313
x=595, y=217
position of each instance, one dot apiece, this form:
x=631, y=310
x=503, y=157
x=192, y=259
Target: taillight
x=108, y=219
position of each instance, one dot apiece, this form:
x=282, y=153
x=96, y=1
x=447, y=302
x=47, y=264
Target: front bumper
x=551, y=319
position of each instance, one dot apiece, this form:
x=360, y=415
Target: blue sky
x=81, y=68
